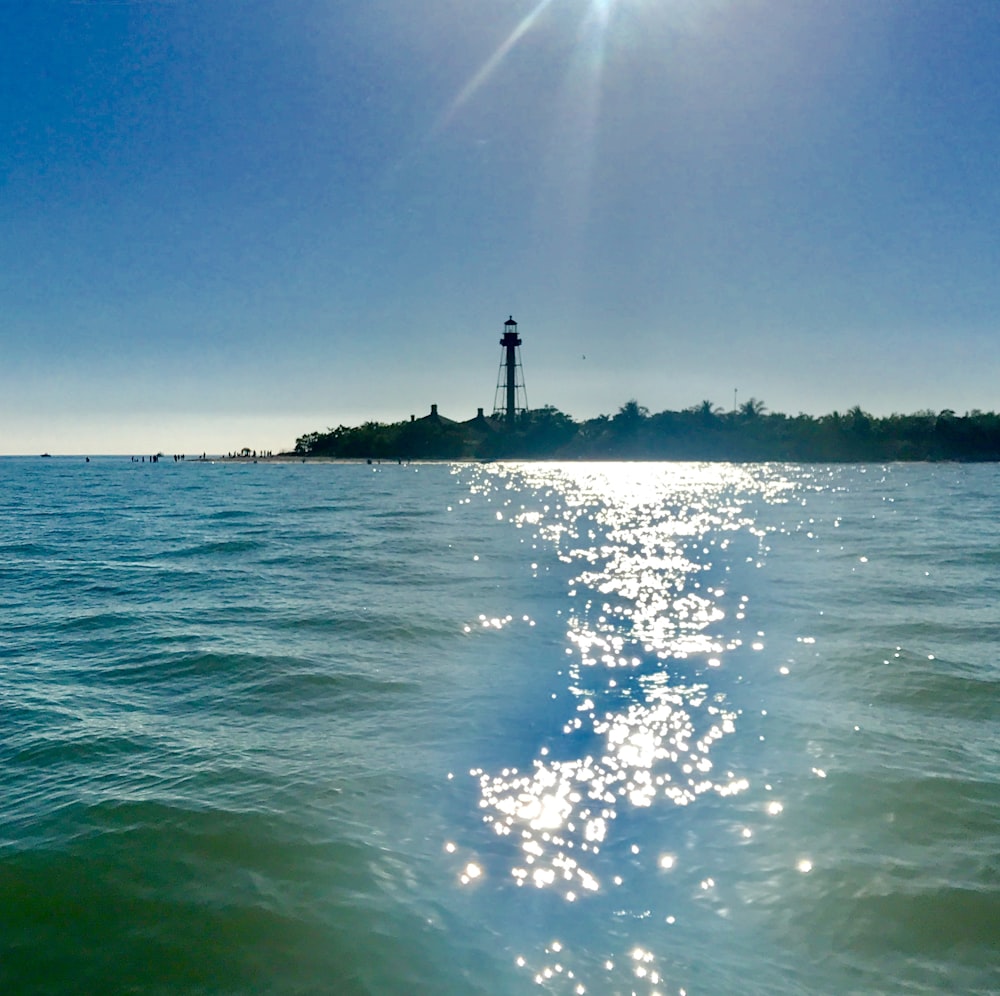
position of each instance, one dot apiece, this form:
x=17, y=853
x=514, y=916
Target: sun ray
x=491, y=65
x=565, y=202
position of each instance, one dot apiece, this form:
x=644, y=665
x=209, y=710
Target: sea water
x=581, y=728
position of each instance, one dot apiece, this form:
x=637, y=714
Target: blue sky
x=229, y=223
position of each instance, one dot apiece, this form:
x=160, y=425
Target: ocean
x=564, y=728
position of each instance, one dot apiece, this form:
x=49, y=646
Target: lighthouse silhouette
x=511, y=398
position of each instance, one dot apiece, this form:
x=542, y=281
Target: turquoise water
x=651, y=728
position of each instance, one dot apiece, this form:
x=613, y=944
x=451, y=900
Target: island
x=701, y=432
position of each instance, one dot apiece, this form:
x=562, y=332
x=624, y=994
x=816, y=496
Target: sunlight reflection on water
x=647, y=550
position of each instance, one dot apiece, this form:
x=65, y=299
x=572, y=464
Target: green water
x=589, y=728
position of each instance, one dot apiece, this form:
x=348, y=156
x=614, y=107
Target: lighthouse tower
x=510, y=398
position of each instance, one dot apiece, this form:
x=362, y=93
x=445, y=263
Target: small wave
x=29, y=549
x=311, y=691
x=167, y=666
x=96, y=622
x=68, y=747
x=925, y=922
x=957, y=812
x=384, y=627
x=231, y=515
x=213, y=548
x=935, y=686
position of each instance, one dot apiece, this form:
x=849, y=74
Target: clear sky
x=225, y=223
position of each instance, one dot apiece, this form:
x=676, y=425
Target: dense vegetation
x=702, y=432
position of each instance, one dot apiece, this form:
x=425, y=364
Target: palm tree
x=631, y=413
x=752, y=407
x=706, y=412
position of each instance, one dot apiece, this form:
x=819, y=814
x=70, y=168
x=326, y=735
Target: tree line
x=701, y=432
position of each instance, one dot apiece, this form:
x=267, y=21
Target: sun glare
x=490, y=66
x=595, y=22
x=597, y=15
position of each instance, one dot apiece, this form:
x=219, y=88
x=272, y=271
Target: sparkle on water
x=638, y=548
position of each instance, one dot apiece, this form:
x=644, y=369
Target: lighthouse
x=511, y=398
